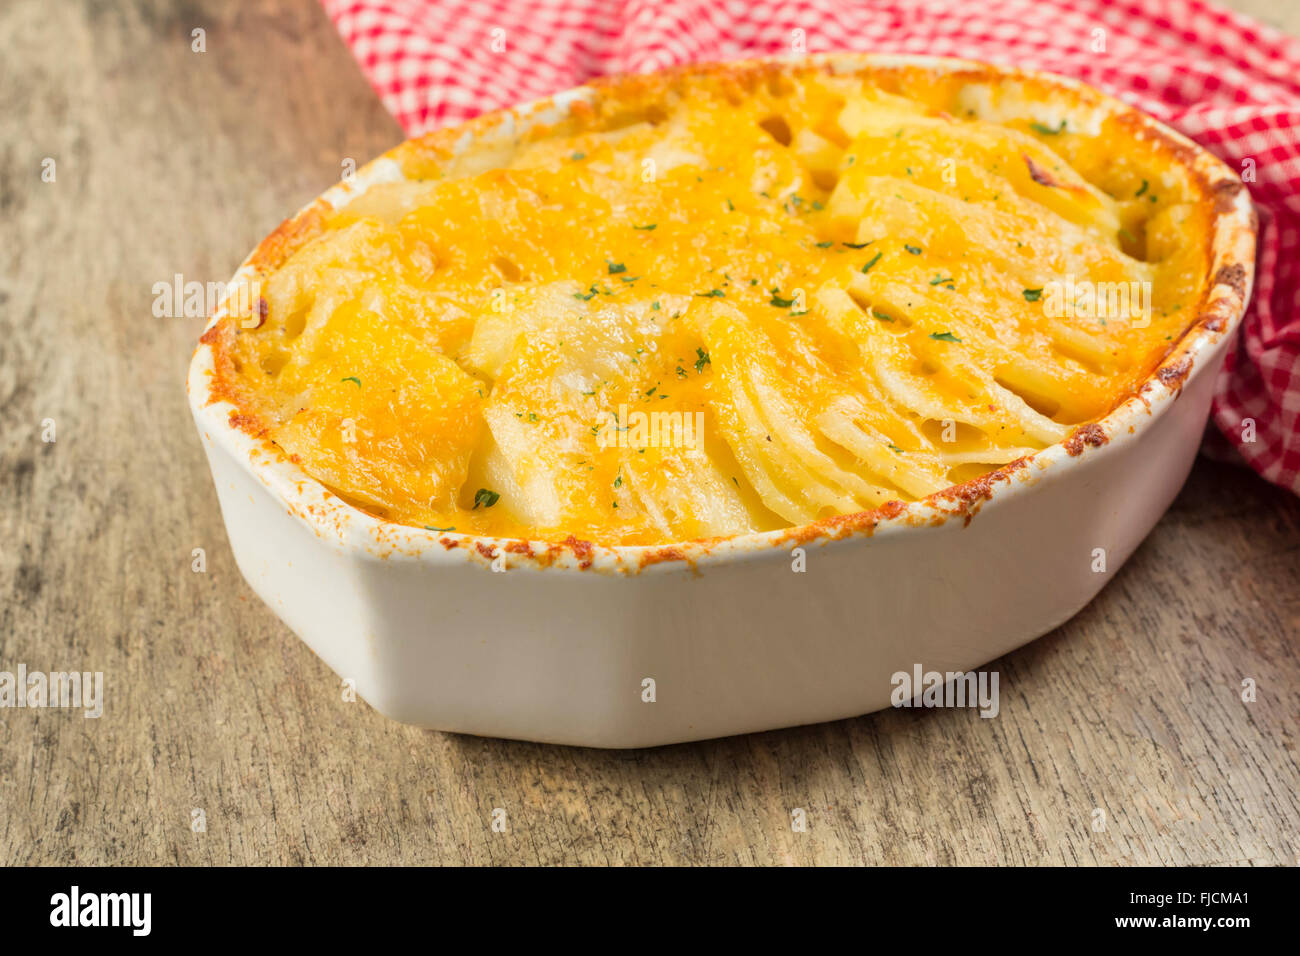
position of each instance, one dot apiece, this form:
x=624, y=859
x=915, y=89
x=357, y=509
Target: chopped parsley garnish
x=881, y=316
x=577, y=156
x=1145, y=184
x=485, y=498
x=874, y=260
x=655, y=305
x=586, y=296
x=615, y=267
x=825, y=245
x=942, y=280
x=429, y=527
x=1032, y=295
x=944, y=337
x=858, y=245
x=352, y=378
x=781, y=303
x=711, y=294
x=646, y=228
x=702, y=361
x=1047, y=130
x=914, y=250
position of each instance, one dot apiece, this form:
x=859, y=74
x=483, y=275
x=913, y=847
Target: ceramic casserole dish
x=572, y=641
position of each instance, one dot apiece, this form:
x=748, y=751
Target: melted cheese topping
x=728, y=313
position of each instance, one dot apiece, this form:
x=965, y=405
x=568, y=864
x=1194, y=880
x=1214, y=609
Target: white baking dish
x=559, y=645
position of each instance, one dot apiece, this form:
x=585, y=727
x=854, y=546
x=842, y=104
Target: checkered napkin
x=1229, y=83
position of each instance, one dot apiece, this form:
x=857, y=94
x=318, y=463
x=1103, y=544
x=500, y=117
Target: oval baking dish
x=572, y=641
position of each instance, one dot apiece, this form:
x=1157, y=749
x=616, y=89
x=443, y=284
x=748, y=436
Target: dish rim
x=351, y=529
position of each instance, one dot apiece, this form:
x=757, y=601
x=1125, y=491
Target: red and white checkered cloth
x=1226, y=81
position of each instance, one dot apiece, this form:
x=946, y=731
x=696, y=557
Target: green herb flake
x=615, y=267
x=649, y=227
x=874, y=260
x=944, y=337
x=352, y=378
x=711, y=294
x=486, y=498
x=914, y=250
x=1032, y=295
x=1047, y=130
x=702, y=361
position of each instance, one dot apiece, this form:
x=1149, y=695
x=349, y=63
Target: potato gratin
x=721, y=300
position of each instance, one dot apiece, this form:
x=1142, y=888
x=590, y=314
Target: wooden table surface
x=169, y=161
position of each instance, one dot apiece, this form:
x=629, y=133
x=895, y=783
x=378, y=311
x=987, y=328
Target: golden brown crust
x=615, y=100
x=290, y=236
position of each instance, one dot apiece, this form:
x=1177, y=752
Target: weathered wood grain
x=172, y=161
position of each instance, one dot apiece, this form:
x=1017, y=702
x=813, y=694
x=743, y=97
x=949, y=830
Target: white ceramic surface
x=557, y=646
